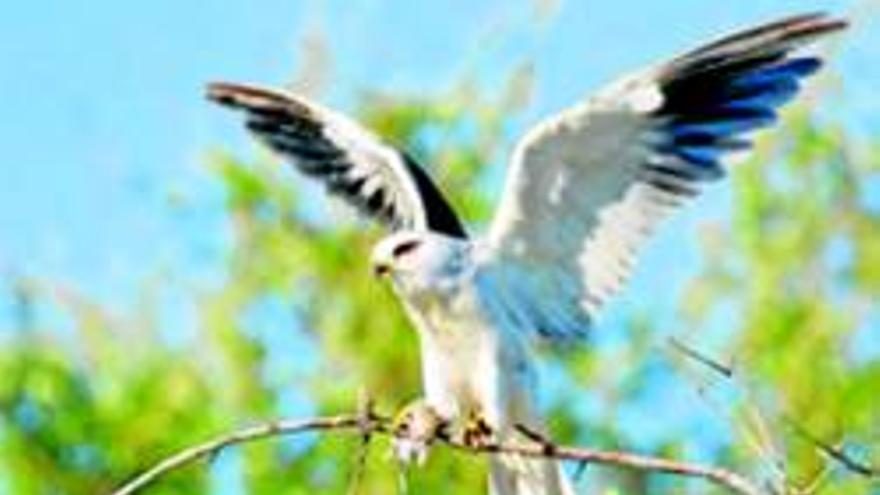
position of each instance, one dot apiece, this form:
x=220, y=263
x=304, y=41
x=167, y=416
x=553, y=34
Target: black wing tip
x=817, y=24
x=228, y=93
x=811, y=17
x=438, y=212
x=809, y=23
x=253, y=97
x=807, y=26
x=786, y=33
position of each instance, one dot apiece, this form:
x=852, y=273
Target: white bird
x=584, y=190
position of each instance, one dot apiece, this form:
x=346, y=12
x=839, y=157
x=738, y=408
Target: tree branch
x=213, y=447
x=368, y=423
x=834, y=452
x=689, y=352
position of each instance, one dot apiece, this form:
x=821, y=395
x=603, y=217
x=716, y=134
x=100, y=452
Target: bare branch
x=835, y=452
x=368, y=423
x=213, y=447
x=688, y=351
x=626, y=460
x=365, y=412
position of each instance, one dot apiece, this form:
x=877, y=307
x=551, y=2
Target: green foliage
x=83, y=412
x=78, y=418
x=799, y=269
x=88, y=398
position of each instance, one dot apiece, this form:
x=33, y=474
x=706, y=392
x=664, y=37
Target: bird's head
x=419, y=259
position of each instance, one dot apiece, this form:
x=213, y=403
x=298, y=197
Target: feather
x=380, y=181
x=587, y=186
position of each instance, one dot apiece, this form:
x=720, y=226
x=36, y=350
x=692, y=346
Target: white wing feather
x=587, y=187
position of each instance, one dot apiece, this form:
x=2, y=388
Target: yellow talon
x=477, y=432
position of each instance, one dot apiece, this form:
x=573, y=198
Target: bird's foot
x=415, y=427
x=477, y=433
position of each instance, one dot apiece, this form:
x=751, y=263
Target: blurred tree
x=798, y=271
x=88, y=397
x=83, y=410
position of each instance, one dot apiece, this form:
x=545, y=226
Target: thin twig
x=688, y=351
x=380, y=425
x=365, y=414
x=753, y=429
x=537, y=437
x=834, y=452
x=579, y=471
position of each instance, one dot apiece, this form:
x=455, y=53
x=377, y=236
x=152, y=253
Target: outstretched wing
x=588, y=186
x=379, y=180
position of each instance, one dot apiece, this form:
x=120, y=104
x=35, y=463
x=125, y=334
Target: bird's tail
x=517, y=475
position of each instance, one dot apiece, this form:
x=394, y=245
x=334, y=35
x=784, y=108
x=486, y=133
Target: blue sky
x=104, y=117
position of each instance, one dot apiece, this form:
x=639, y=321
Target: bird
x=584, y=191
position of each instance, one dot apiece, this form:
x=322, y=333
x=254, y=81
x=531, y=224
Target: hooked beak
x=381, y=270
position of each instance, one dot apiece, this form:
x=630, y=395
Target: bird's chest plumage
x=467, y=360
x=459, y=333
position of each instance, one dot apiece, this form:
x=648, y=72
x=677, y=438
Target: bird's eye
x=404, y=247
